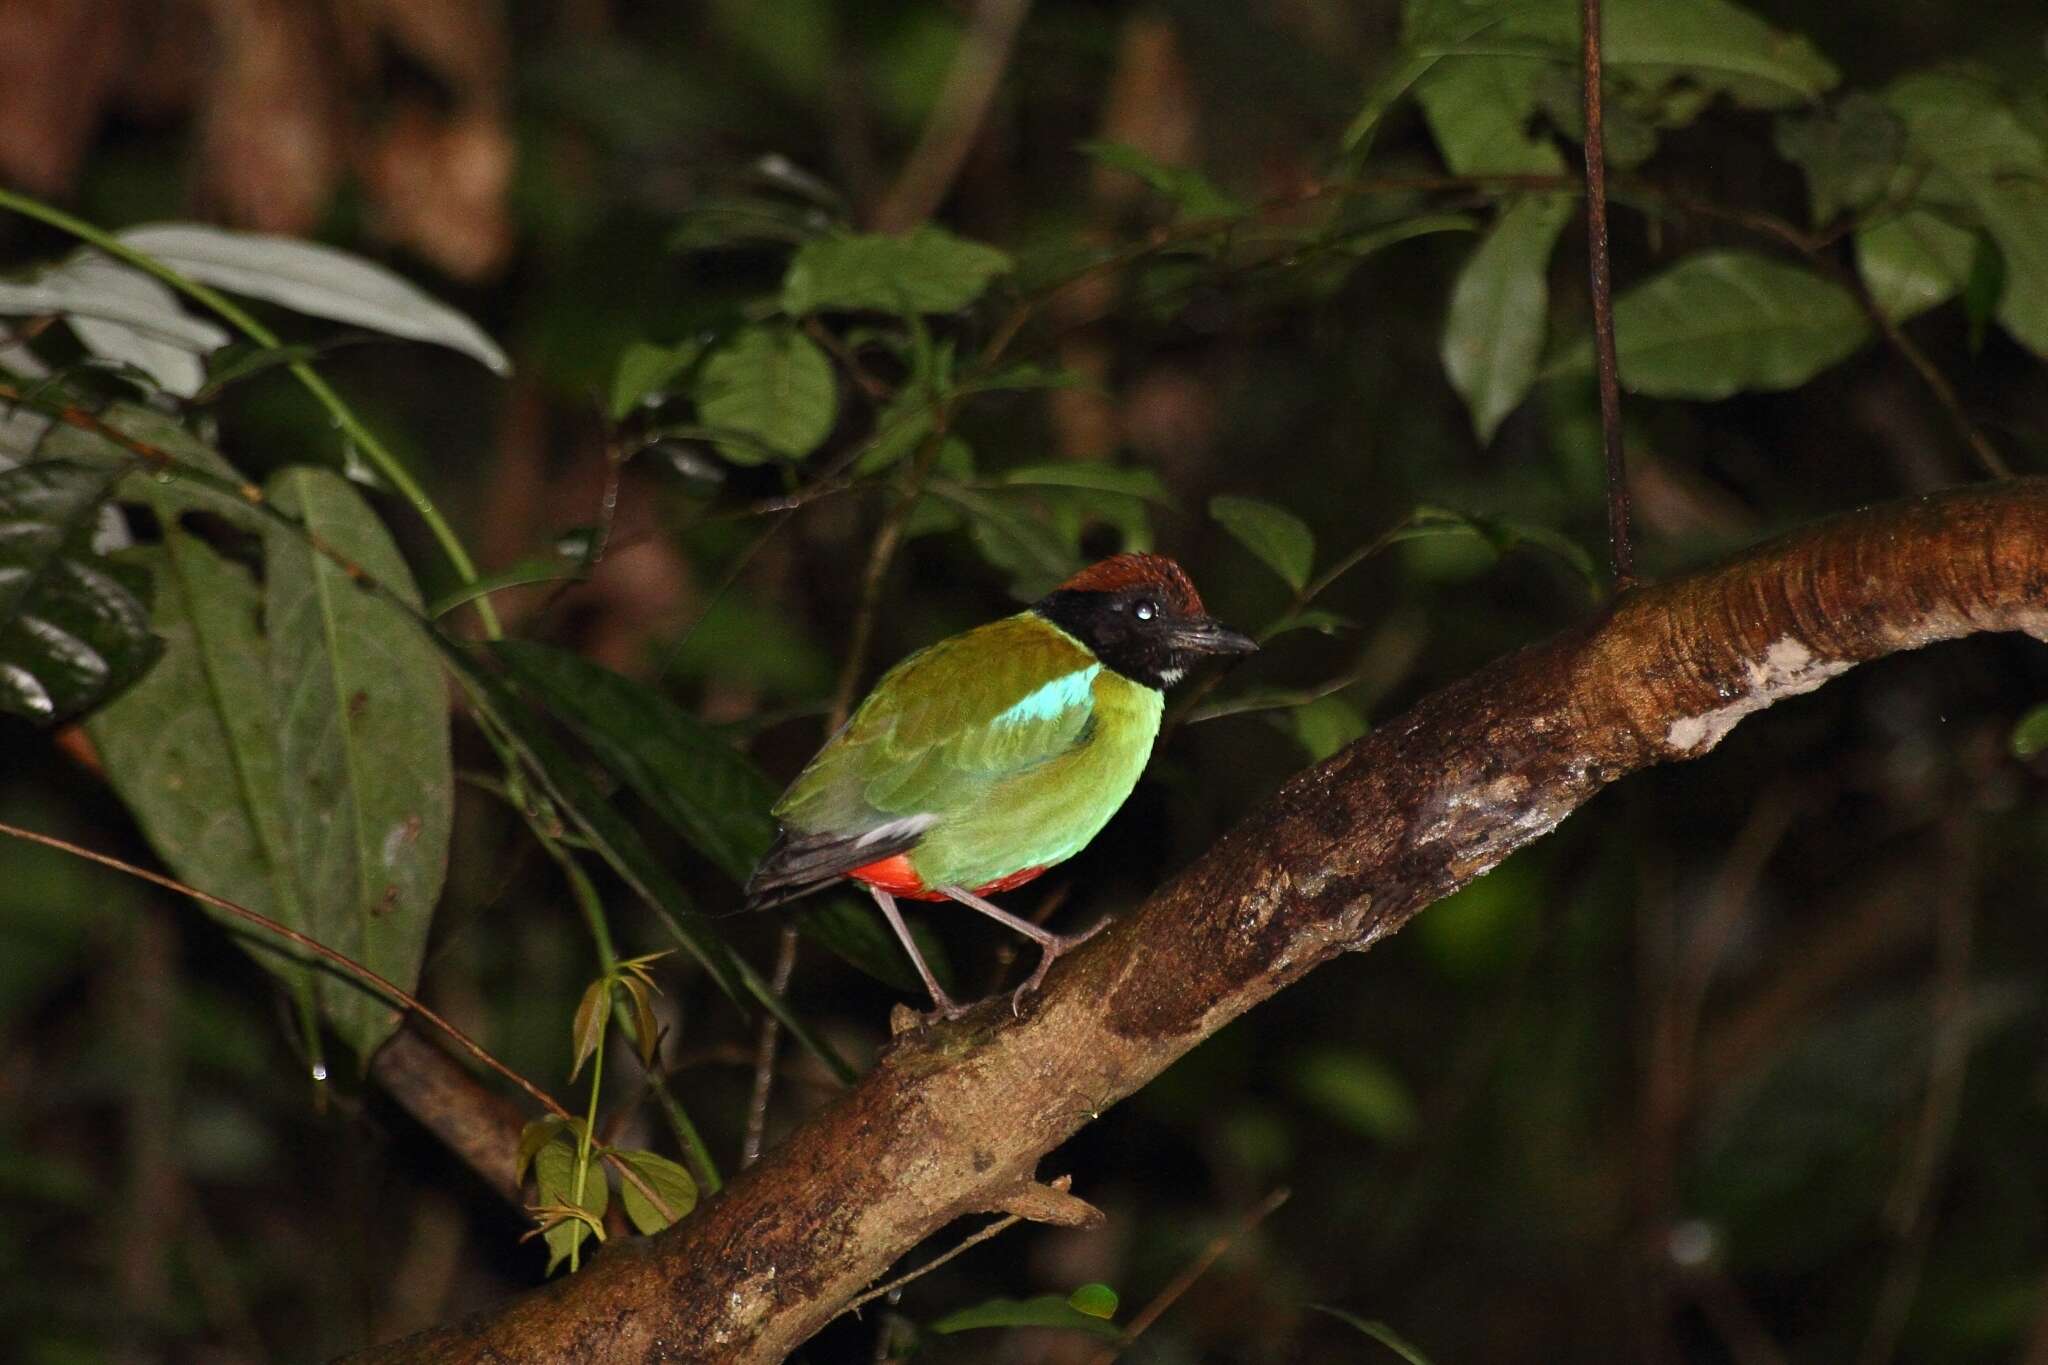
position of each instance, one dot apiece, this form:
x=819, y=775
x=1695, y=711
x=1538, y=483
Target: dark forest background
x=1745, y=1063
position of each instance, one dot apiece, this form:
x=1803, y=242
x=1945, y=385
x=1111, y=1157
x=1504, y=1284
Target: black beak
x=1206, y=635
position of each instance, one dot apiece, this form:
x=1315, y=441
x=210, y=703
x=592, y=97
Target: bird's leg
x=889, y=912
x=1050, y=944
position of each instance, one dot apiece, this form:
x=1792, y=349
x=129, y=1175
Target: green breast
x=1049, y=812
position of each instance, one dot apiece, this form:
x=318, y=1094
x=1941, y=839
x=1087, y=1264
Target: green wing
x=945, y=725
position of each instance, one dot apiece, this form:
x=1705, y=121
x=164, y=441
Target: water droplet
x=319, y=1071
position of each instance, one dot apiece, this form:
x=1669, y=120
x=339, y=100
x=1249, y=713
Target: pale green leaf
x=1913, y=262
x=1096, y=1300
x=928, y=270
x=670, y=1182
x=1499, y=313
x=1326, y=725
x=1357, y=1090
x=645, y=371
x=772, y=387
x=1192, y=192
x=1722, y=322
x=1280, y=539
x=2030, y=733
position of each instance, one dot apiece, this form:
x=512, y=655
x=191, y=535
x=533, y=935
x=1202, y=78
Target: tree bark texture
x=955, y=1117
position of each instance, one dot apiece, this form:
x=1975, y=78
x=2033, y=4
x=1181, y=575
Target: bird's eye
x=1145, y=611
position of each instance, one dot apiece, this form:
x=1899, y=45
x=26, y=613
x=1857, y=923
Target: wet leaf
x=72, y=633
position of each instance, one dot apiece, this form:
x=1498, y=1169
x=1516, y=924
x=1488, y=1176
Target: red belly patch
x=896, y=876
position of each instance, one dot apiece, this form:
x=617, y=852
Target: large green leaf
x=362, y=735
x=773, y=390
x=1986, y=163
x=1481, y=112
x=1721, y=322
x=192, y=749
x=1499, y=314
x=72, y=633
x=928, y=270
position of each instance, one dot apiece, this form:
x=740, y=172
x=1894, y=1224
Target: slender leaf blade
x=320, y=281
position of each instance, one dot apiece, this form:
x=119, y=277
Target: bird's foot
x=1052, y=950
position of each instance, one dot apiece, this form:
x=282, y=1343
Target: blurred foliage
x=1743, y=1063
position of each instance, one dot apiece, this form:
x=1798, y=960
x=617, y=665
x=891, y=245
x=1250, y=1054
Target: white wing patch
x=1049, y=699
x=907, y=827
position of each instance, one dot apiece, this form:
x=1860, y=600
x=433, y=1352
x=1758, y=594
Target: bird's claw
x=1051, y=953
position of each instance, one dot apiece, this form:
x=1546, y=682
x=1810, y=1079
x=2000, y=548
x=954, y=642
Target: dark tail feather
x=797, y=864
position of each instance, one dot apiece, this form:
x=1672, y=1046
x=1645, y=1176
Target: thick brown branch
x=1343, y=855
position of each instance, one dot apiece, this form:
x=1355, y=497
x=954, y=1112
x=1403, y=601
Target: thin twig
x=1195, y=1269
x=935, y=1262
x=765, y=1045
x=1620, y=544
x=956, y=117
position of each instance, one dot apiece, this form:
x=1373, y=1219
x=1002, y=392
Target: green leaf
x=362, y=717
x=1326, y=725
x=645, y=371
x=1378, y=1331
x=688, y=773
x=1357, y=1090
x=668, y=1180
x=586, y=1030
x=2030, y=733
x=1363, y=242
x=1849, y=153
x=539, y=1134
x=1500, y=312
x=928, y=270
x=1047, y=1310
x=554, y=569
x=1103, y=478
x=615, y=840
x=1480, y=111
x=554, y=1178
x=1012, y=538
x=192, y=750
x=1984, y=288
x=1315, y=619
x=1985, y=161
x=72, y=633
x=1914, y=261
x=772, y=386
x=1192, y=192
x=1280, y=540
x=1096, y=1300
x=1722, y=322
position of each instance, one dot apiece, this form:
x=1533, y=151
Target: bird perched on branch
x=981, y=761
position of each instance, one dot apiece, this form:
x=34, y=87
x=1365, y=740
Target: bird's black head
x=1142, y=617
